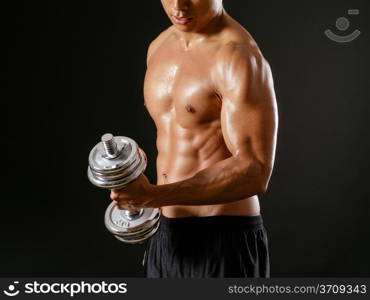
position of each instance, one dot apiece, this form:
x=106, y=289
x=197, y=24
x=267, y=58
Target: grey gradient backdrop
x=73, y=70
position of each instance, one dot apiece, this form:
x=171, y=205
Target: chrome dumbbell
x=114, y=163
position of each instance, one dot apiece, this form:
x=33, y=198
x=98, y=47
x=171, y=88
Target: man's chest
x=181, y=87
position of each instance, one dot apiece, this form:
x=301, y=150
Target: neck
x=187, y=39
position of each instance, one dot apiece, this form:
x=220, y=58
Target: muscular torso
x=183, y=102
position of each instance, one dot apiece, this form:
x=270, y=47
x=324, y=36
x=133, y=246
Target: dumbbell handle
x=112, y=151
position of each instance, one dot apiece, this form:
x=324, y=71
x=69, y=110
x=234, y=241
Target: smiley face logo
x=12, y=291
x=343, y=24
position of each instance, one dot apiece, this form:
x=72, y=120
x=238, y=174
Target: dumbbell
x=114, y=163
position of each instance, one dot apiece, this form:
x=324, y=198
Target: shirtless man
x=210, y=93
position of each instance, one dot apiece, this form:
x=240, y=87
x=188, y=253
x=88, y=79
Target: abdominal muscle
x=181, y=159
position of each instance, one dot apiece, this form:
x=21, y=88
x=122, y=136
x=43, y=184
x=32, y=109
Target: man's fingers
x=114, y=195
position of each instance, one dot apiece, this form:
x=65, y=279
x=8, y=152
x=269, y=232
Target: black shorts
x=208, y=247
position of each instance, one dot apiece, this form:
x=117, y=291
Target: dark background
x=73, y=70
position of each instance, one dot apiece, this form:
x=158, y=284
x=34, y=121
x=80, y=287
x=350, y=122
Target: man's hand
x=138, y=194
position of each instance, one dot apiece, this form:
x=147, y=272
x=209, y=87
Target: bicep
x=249, y=113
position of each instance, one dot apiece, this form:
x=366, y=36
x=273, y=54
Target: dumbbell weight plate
x=139, y=239
x=145, y=226
x=116, y=221
x=128, y=152
x=115, y=176
x=149, y=228
x=122, y=182
x=116, y=173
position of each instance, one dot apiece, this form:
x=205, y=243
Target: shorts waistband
x=220, y=221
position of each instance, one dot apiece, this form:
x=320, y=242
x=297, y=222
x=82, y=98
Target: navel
x=190, y=108
x=164, y=175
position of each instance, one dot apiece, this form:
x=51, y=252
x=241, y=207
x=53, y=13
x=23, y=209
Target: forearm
x=229, y=180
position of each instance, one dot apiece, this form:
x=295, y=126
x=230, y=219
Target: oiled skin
x=193, y=92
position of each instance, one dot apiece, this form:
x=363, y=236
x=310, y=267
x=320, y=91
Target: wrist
x=155, y=199
x=164, y=195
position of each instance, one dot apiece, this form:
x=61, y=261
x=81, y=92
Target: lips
x=181, y=20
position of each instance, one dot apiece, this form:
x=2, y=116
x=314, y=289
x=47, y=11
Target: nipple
x=189, y=108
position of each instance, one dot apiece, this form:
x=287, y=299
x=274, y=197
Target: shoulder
x=240, y=64
x=238, y=54
x=237, y=47
x=158, y=41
